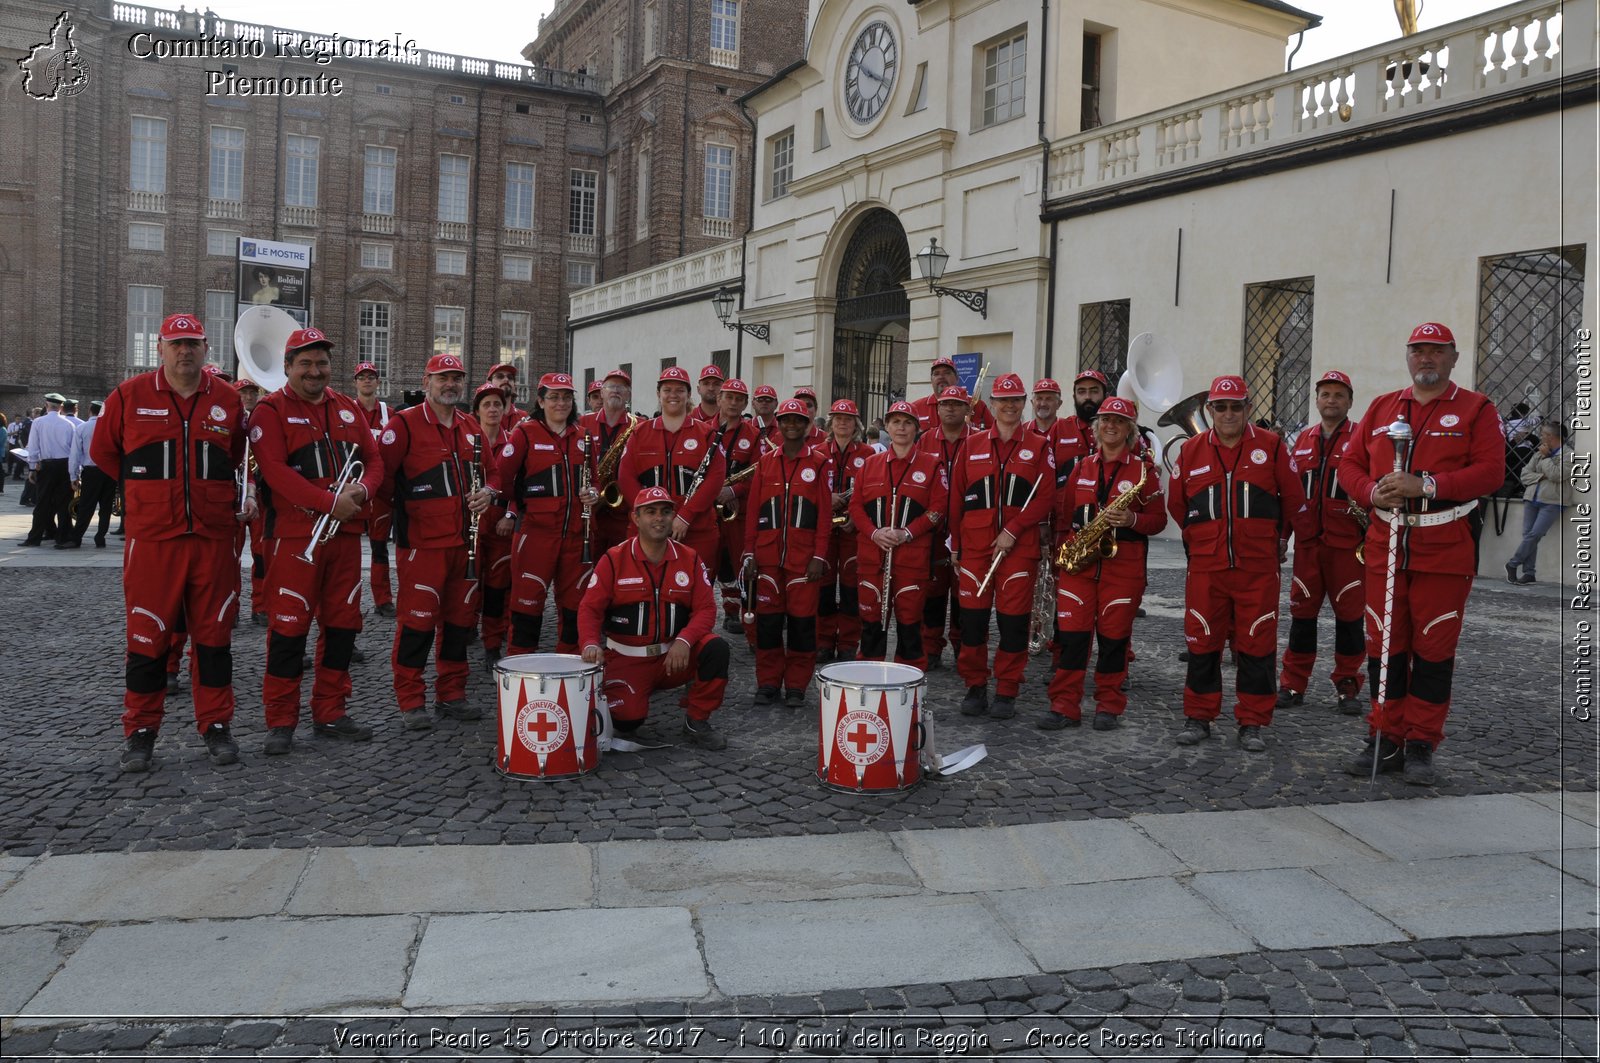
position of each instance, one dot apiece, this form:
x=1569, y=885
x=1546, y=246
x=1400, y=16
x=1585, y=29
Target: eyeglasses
x=1226, y=407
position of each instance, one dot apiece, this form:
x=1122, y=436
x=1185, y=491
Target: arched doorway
x=872, y=315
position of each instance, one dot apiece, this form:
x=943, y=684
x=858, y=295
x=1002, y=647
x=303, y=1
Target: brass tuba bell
x=1189, y=417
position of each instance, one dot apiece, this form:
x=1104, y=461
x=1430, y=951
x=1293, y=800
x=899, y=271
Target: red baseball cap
x=1228, y=387
x=1333, y=376
x=364, y=367
x=1117, y=406
x=596, y=385
x=1095, y=375
x=209, y=369
x=1428, y=332
x=900, y=409
x=301, y=338
x=1047, y=385
x=673, y=374
x=955, y=393
x=484, y=389
x=711, y=372
x=493, y=369
x=806, y=393
x=735, y=385
x=766, y=391
x=1007, y=386
x=620, y=375
x=846, y=407
x=948, y=363
x=651, y=495
x=182, y=327
x=793, y=408
x=444, y=363
x=557, y=382
x=245, y=382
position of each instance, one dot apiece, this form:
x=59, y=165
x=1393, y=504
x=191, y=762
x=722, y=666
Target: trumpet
x=327, y=527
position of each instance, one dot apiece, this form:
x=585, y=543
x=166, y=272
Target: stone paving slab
x=1581, y=806
x=806, y=946
x=690, y=873
x=1454, y=826
x=1254, y=839
x=471, y=962
x=360, y=880
x=1032, y=855
x=128, y=887
x=1108, y=923
x=1293, y=909
x=1581, y=864
x=27, y=960
x=1500, y=894
x=232, y=967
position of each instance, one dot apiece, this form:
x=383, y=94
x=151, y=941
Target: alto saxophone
x=605, y=472
x=1094, y=541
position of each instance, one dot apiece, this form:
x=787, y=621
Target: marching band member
x=942, y=375
x=897, y=508
x=606, y=431
x=504, y=376
x=1098, y=602
x=494, y=526
x=838, y=606
x=1237, y=498
x=304, y=436
x=710, y=387
x=540, y=473
x=175, y=436
x=1326, y=567
x=1456, y=458
x=671, y=451
x=815, y=436
x=597, y=396
x=764, y=403
x=250, y=394
x=1006, y=483
x=377, y=414
x=785, y=542
x=647, y=614
x=941, y=614
x=740, y=443
x=426, y=453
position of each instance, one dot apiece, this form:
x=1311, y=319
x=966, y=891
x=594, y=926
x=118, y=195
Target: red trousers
x=378, y=542
x=1243, y=605
x=630, y=681
x=1428, y=609
x=725, y=565
x=539, y=564
x=941, y=613
x=494, y=581
x=786, y=626
x=329, y=589
x=162, y=579
x=435, y=598
x=1095, y=609
x=1010, y=594
x=908, y=588
x=1325, y=573
x=838, y=607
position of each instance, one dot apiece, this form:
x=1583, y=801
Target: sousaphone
x=1153, y=379
x=259, y=337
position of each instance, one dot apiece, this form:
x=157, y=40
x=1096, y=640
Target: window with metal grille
x=1277, y=352
x=1103, y=339
x=1530, y=307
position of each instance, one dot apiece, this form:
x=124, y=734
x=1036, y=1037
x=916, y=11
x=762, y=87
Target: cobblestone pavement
x=1525, y=997
x=62, y=792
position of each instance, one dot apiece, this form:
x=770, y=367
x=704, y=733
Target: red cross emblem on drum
x=861, y=737
x=542, y=727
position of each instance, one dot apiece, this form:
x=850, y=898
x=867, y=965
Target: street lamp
x=722, y=303
x=931, y=261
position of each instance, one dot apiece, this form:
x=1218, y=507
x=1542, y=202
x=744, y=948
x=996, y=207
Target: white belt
x=1428, y=520
x=655, y=649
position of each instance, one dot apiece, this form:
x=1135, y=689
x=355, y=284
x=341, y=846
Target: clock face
x=869, y=74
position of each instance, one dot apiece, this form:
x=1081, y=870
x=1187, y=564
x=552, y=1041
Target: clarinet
x=475, y=479
x=585, y=481
x=886, y=605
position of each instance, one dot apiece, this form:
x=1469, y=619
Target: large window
x=719, y=182
x=516, y=268
x=147, y=155
x=224, y=242
x=377, y=256
x=581, y=202
x=725, y=32
x=1005, y=79
x=580, y=274
x=144, y=326
x=227, y=163
x=1530, y=308
x=377, y=181
x=373, y=339
x=301, y=156
x=519, y=195
x=449, y=329
x=145, y=236
x=516, y=331
x=1103, y=338
x=781, y=163
x=1277, y=351
x=452, y=263
x=453, y=175
x=219, y=327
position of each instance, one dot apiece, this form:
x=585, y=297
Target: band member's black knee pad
x=828, y=601
x=1303, y=634
x=214, y=665
x=909, y=642
x=626, y=726
x=933, y=611
x=413, y=648
x=286, y=655
x=1013, y=632
x=380, y=551
x=1073, y=646
x=1348, y=637
x=494, y=600
x=713, y=659
x=849, y=600
x=802, y=634
x=769, y=632
x=1205, y=672
x=875, y=640
x=180, y=626
x=1399, y=665
x=1255, y=673
x=258, y=565
x=1113, y=656
x=146, y=674
x=569, y=626
x=1431, y=680
x=975, y=627
x=526, y=629
x=338, y=644
x=453, y=647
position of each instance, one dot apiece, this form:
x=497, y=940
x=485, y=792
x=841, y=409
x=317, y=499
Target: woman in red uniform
x=495, y=526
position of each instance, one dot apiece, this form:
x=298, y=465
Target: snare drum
x=871, y=731
x=552, y=719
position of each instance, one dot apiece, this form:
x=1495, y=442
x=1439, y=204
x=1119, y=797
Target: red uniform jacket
x=426, y=476
x=1456, y=440
x=1235, y=503
x=790, y=510
x=992, y=481
x=1070, y=439
x=845, y=463
x=513, y=417
x=1096, y=482
x=376, y=417
x=641, y=604
x=920, y=492
x=927, y=410
x=176, y=457
x=300, y=449
x=1317, y=461
x=698, y=414
x=539, y=474
x=656, y=457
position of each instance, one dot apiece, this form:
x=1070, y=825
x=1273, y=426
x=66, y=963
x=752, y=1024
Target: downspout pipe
x=1044, y=192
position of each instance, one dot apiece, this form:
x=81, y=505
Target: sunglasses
x=1227, y=407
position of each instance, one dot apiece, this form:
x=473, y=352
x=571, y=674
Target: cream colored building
x=1103, y=171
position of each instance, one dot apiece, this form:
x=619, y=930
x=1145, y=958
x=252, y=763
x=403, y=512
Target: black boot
x=976, y=703
x=1418, y=770
x=1390, y=758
